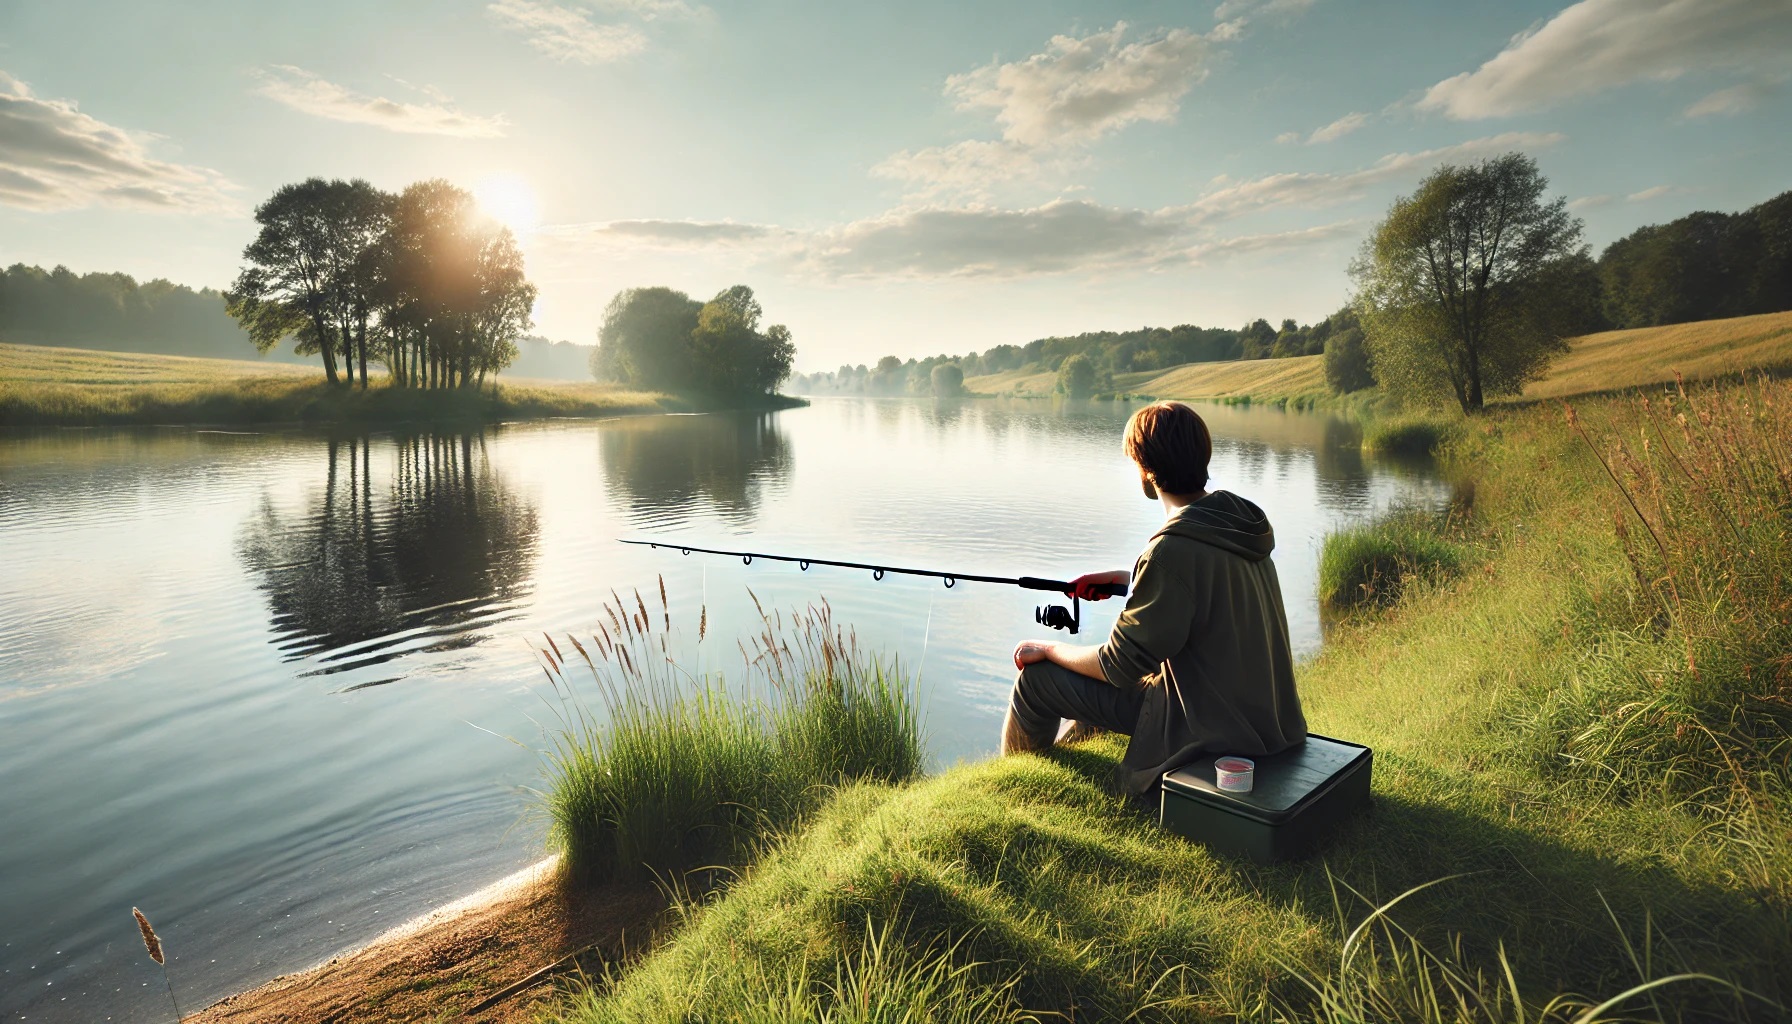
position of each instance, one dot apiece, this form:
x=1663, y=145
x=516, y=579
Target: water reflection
x=424, y=560
x=668, y=470
x=1342, y=479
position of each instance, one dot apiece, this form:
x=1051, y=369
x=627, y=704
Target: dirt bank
x=491, y=957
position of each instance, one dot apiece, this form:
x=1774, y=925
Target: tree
x=1459, y=288
x=730, y=355
x=1256, y=340
x=451, y=288
x=888, y=376
x=305, y=267
x=645, y=340
x=1076, y=376
x=1347, y=366
x=947, y=380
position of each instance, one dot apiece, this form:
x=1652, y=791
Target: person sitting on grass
x=1198, y=662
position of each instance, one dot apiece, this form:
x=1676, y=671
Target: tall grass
x=667, y=771
x=1697, y=698
x=1373, y=565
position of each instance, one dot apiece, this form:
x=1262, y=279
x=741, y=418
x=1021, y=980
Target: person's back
x=1198, y=661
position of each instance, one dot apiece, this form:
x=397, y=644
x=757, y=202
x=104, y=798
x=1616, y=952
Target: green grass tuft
x=673, y=773
x=1377, y=563
x=1411, y=434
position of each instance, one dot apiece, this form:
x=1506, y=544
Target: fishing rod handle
x=1061, y=587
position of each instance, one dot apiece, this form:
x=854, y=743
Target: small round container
x=1234, y=774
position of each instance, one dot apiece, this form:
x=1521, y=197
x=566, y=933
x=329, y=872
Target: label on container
x=1234, y=774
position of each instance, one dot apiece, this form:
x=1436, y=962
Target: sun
x=510, y=200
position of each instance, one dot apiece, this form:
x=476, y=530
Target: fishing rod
x=1055, y=616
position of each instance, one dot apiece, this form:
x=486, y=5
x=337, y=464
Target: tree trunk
x=361, y=343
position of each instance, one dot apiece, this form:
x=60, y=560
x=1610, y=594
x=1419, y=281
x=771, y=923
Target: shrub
x=1373, y=565
x=1077, y=376
x=947, y=380
x=1347, y=366
x=690, y=771
x=1407, y=435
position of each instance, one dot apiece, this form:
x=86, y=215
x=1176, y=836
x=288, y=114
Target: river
x=276, y=688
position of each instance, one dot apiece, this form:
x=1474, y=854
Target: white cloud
x=54, y=157
x=1232, y=10
x=1078, y=90
x=1279, y=241
x=309, y=94
x=1657, y=192
x=1311, y=190
x=1591, y=202
x=669, y=234
x=1062, y=235
x=934, y=242
x=969, y=168
x=1732, y=101
x=1289, y=138
x=568, y=34
x=1338, y=129
x=1597, y=45
x=1068, y=96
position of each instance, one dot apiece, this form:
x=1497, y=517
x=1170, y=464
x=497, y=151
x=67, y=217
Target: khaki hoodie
x=1205, y=635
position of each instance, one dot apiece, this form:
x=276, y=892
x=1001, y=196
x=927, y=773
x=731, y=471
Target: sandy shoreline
x=490, y=956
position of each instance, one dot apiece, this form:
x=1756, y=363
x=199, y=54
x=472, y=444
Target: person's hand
x=1029, y=652
x=1084, y=586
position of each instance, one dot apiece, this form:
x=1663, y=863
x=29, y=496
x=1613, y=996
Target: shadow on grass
x=1569, y=919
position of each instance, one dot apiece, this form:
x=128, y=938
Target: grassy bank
x=1607, y=361
x=659, y=774
x=1581, y=738
x=75, y=387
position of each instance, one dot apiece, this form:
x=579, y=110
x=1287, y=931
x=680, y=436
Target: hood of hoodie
x=1225, y=521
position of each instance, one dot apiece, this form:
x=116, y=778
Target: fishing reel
x=1059, y=617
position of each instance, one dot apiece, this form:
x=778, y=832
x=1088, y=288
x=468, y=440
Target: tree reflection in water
x=666, y=470
x=427, y=559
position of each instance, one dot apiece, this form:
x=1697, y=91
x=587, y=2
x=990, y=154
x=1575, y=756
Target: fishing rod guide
x=1055, y=616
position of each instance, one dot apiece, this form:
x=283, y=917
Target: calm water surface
x=277, y=690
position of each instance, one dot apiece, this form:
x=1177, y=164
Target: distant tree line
x=1704, y=266
x=1106, y=353
x=663, y=340
x=419, y=282
x=114, y=312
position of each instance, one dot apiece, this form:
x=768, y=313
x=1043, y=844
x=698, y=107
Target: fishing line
x=1055, y=616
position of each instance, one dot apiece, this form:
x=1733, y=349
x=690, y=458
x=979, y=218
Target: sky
x=911, y=178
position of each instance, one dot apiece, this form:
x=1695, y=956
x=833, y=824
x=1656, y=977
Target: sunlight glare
x=509, y=200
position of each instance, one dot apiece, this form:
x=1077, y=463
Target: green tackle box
x=1297, y=797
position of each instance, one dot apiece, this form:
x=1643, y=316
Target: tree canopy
x=1700, y=267
x=419, y=281
x=661, y=338
x=1463, y=289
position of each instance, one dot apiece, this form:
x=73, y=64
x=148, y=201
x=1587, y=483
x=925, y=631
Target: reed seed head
x=150, y=941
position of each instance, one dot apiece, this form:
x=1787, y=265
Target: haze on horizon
x=908, y=179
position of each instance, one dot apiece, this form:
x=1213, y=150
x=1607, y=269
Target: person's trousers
x=1045, y=694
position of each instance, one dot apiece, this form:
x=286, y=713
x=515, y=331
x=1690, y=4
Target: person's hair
x=1169, y=441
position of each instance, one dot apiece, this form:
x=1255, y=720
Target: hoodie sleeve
x=1155, y=624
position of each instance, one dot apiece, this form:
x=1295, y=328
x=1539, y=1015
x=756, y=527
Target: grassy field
x=60, y=386
x=1606, y=361
x=1581, y=733
x=1652, y=355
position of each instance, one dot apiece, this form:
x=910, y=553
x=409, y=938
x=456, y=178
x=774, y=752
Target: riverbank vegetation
x=72, y=387
x=1581, y=797
x=663, y=773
